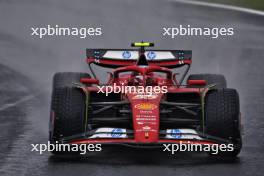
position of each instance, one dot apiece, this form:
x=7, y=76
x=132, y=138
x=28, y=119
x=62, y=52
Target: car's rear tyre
x=222, y=118
x=217, y=79
x=67, y=107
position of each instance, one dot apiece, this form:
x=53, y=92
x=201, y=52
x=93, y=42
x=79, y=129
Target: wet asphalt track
x=27, y=65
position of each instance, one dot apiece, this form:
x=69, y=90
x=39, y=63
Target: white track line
x=9, y=105
x=221, y=6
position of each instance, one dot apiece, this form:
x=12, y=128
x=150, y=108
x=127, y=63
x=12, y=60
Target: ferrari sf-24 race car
x=200, y=110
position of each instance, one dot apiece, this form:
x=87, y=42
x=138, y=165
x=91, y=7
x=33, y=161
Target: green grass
x=253, y=4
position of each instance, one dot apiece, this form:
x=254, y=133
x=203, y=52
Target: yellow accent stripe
x=142, y=44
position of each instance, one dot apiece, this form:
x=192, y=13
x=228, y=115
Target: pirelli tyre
x=66, y=79
x=217, y=79
x=67, y=107
x=222, y=118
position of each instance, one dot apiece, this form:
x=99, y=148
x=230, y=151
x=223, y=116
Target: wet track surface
x=28, y=63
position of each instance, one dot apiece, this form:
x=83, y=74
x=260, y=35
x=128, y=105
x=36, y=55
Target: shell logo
x=146, y=106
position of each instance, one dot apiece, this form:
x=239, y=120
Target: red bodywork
x=145, y=111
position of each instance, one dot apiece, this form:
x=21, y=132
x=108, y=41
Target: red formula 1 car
x=202, y=111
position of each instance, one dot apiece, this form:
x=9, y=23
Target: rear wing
x=114, y=58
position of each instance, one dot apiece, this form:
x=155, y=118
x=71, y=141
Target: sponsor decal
x=142, y=130
x=182, y=134
x=175, y=133
x=145, y=112
x=145, y=123
x=146, y=96
x=146, y=128
x=151, y=55
x=145, y=115
x=146, y=106
x=126, y=55
x=116, y=132
x=146, y=119
x=109, y=133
